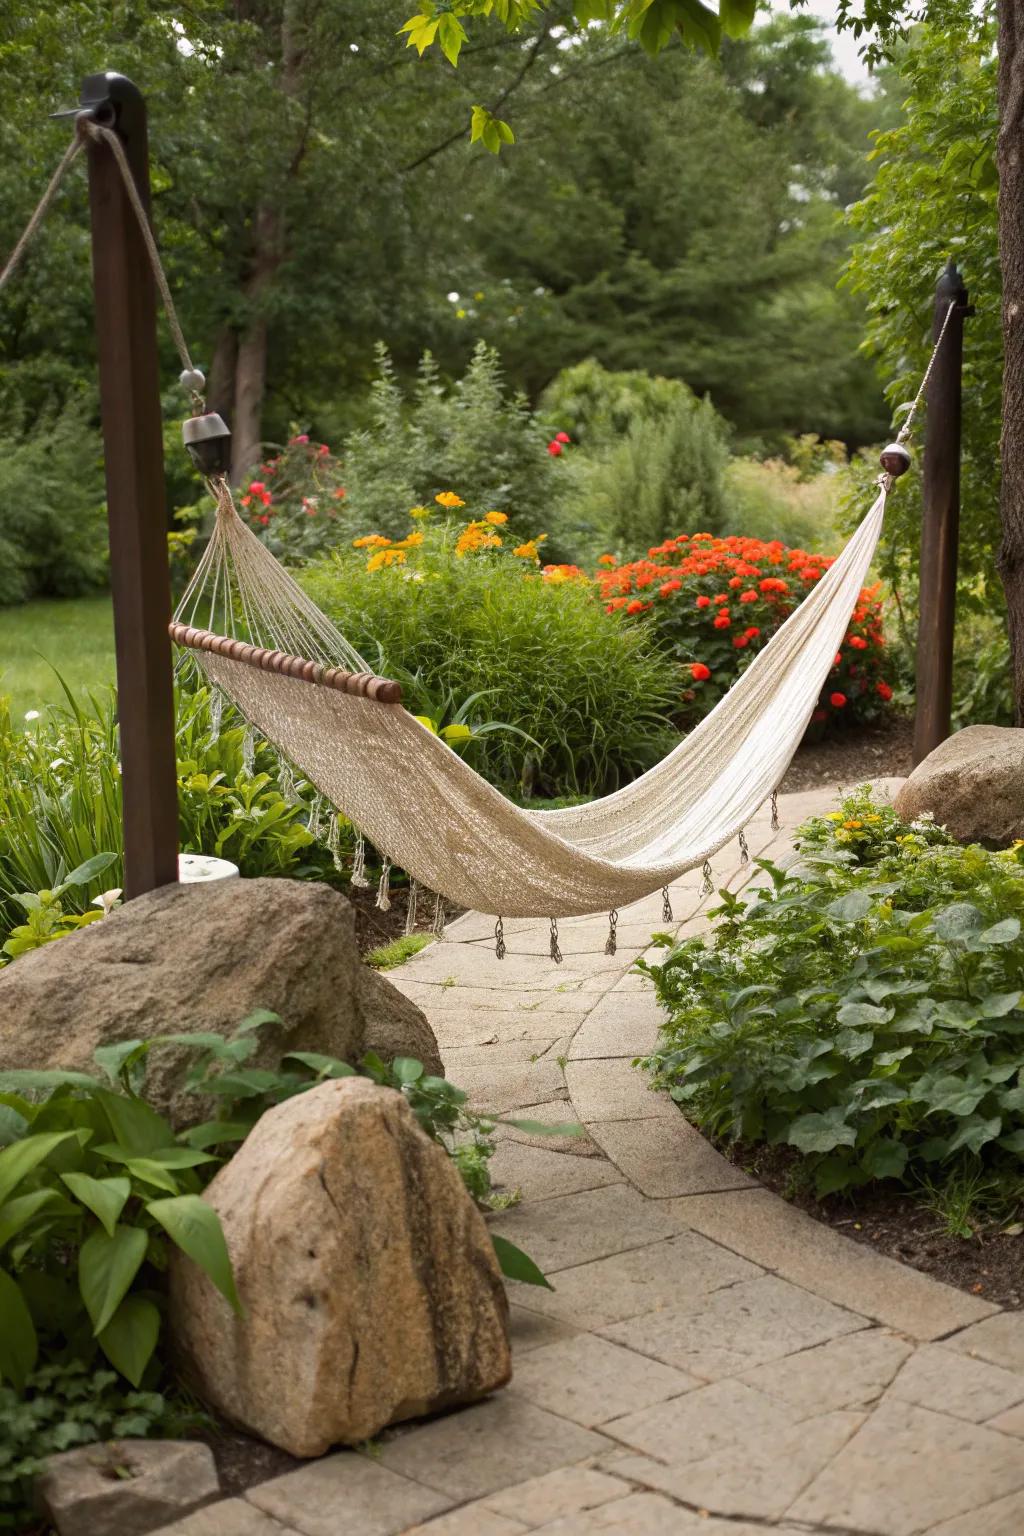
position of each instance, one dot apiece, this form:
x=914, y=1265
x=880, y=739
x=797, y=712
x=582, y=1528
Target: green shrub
x=458, y=607
x=60, y=802
x=982, y=674
x=787, y=499
x=54, y=539
x=864, y=1006
x=651, y=459
x=473, y=434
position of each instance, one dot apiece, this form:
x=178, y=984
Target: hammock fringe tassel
x=775, y=810
x=384, y=887
x=709, y=883
x=744, y=850
x=666, y=905
x=410, y=911
x=556, y=953
x=612, y=943
x=358, y=878
x=499, y=940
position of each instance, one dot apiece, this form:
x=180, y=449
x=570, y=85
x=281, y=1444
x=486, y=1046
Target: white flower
x=108, y=901
x=32, y=714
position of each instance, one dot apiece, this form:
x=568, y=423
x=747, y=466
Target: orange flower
x=606, y=559
x=699, y=672
x=496, y=518
x=449, y=499
x=723, y=621
x=371, y=541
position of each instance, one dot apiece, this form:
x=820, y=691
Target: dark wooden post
x=940, y=527
x=133, y=447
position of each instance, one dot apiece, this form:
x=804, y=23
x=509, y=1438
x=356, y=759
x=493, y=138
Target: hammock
x=298, y=681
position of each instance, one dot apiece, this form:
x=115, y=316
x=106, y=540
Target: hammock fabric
x=305, y=688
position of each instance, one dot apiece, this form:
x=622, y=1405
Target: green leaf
x=850, y=908
x=407, y=1069
x=251, y=1083
x=878, y=1093
x=886, y=1159
x=998, y=1004
x=517, y=1265
x=148, y=1171
x=136, y=1128
x=1014, y=1142
x=323, y=1066
x=1005, y=932
x=87, y=872
x=31, y=1081
x=107, y=1265
x=195, y=1227
x=974, y=1132
x=111, y=1058
x=257, y=1019
x=129, y=1339
x=856, y=1015
x=958, y=922
x=945, y=1091
x=17, y=1213
x=22, y=1156
x=737, y=16
x=833, y=1174
x=451, y=35
x=821, y=1132
x=854, y=1042
x=104, y=1197
x=215, y=1133
x=19, y=1347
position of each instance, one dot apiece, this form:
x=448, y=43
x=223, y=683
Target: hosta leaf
x=851, y=907
x=1001, y=933
x=958, y=922
x=104, y=1197
x=214, y=1133
x=854, y=1042
x=129, y=1339
x=18, y=1344
x=998, y=1004
x=821, y=1132
x=195, y=1227
x=517, y=1265
x=974, y=1132
x=885, y=1159
x=107, y=1265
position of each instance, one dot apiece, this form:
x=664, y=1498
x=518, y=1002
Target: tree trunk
x=251, y=366
x=1011, y=254
x=220, y=386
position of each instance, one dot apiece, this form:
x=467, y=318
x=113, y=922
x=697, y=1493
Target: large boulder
x=202, y=957
x=973, y=784
x=370, y=1288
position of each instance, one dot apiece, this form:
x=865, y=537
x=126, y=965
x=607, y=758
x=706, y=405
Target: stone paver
x=711, y=1360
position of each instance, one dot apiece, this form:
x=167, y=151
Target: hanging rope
x=41, y=210
x=904, y=431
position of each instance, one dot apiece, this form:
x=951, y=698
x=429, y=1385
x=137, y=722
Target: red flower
x=699, y=672
x=562, y=437
x=256, y=488
x=722, y=621
x=703, y=602
x=322, y=451
x=739, y=641
x=303, y=437
x=670, y=587
x=264, y=519
x=883, y=690
x=858, y=642
x=735, y=581
x=635, y=607
x=722, y=597
x=554, y=448
x=838, y=659
x=748, y=597
x=753, y=632
x=837, y=700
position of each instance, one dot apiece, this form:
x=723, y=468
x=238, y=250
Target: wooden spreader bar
x=361, y=684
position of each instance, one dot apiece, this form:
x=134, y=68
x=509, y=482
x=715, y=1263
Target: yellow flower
x=834, y=816
x=530, y=550
x=419, y=511
x=449, y=499
x=411, y=541
x=872, y=818
x=371, y=541
x=384, y=558
x=497, y=518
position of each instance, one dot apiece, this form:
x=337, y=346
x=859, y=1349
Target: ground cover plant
x=94, y=1184
x=473, y=607
x=714, y=602
x=863, y=1006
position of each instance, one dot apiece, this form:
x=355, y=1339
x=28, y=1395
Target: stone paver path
x=711, y=1360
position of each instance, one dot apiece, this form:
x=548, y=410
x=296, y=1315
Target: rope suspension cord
x=41, y=210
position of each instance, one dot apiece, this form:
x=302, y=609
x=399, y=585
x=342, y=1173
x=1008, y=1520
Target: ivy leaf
x=822, y=1132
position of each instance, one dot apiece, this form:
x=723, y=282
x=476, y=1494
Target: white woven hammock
x=429, y=812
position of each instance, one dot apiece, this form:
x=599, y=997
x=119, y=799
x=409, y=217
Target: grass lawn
x=75, y=635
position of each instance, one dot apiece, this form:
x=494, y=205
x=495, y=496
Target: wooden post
x=133, y=447
x=940, y=526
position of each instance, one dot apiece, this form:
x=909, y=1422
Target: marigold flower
x=419, y=512
x=606, y=559
x=411, y=540
x=339, y=493
x=669, y=587
x=721, y=597
x=635, y=606
x=837, y=700
x=699, y=672
x=497, y=518
x=722, y=621
x=449, y=499
x=735, y=581
x=384, y=558
x=371, y=541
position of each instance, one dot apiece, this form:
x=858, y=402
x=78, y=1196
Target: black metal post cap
x=895, y=459
x=208, y=441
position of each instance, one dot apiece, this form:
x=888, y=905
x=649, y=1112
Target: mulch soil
x=375, y=928
x=872, y=752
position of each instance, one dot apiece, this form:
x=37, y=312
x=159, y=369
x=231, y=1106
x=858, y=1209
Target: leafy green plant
x=93, y=1184
x=46, y=919
x=472, y=615
x=64, y=1405
x=863, y=1006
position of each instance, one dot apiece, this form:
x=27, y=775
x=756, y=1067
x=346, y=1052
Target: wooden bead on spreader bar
x=360, y=684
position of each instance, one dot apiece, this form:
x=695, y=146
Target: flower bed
x=715, y=602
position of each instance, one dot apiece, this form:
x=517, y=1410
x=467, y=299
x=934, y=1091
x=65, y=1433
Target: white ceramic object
x=193, y=867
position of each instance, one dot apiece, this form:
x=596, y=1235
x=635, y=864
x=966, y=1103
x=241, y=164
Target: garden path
x=711, y=1359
